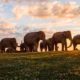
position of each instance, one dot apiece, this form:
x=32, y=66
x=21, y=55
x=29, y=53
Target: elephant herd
x=31, y=42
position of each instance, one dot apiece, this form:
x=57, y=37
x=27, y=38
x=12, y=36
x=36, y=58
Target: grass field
x=40, y=66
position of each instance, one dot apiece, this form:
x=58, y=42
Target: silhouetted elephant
x=10, y=50
x=8, y=42
x=47, y=45
x=43, y=45
x=23, y=47
x=50, y=44
x=61, y=37
x=32, y=40
x=76, y=41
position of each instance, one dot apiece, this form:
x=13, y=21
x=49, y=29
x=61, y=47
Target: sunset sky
x=18, y=17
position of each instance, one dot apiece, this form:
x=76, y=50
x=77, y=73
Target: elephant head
x=68, y=35
x=41, y=35
x=13, y=42
x=23, y=47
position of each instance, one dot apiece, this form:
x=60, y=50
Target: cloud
x=19, y=11
x=51, y=17
x=42, y=10
x=35, y=11
x=67, y=10
x=7, y=28
x=52, y=23
x=21, y=1
x=55, y=9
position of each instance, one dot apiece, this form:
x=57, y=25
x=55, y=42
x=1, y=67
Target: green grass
x=40, y=66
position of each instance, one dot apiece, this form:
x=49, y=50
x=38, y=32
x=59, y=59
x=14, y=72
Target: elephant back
x=76, y=39
x=30, y=38
x=33, y=37
x=58, y=35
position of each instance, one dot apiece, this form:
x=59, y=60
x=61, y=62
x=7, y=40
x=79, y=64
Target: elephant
x=32, y=40
x=61, y=37
x=47, y=45
x=8, y=42
x=76, y=41
x=23, y=47
x=50, y=44
x=43, y=45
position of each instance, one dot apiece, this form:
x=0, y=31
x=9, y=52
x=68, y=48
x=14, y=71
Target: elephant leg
x=65, y=46
x=3, y=50
x=30, y=49
x=52, y=49
x=35, y=47
x=14, y=48
x=49, y=47
x=25, y=49
x=74, y=45
x=45, y=49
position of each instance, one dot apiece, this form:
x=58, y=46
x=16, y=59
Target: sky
x=18, y=17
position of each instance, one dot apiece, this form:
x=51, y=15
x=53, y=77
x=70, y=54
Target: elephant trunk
x=70, y=43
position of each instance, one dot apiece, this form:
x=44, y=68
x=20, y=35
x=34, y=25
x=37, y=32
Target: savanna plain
x=40, y=66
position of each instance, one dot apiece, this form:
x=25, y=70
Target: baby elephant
x=10, y=50
x=76, y=41
x=23, y=47
x=43, y=45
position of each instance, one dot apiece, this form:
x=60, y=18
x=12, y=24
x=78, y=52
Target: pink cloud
x=6, y=28
x=55, y=10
